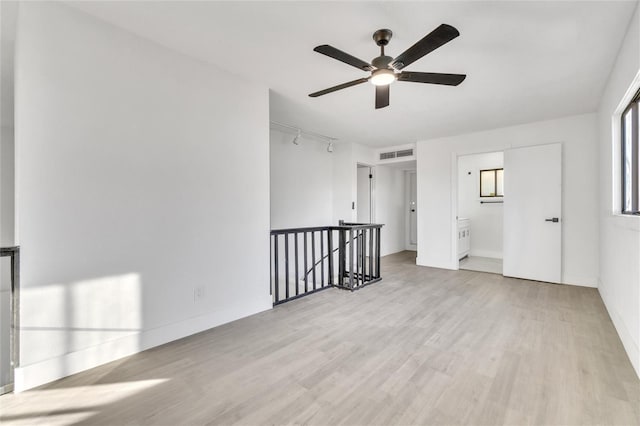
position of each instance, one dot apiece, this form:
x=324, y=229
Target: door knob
x=553, y=219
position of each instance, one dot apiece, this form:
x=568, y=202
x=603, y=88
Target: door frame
x=454, y=196
x=372, y=191
x=454, y=192
x=407, y=201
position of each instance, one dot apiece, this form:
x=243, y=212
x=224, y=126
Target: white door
x=413, y=209
x=532, y=213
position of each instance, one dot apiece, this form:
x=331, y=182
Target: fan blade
x=432, y=78
x=339, y=87
x=436, y=38
x=334, y=53
x=382, y=96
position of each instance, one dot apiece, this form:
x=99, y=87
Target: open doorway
x=365, y=194
x=480, y=212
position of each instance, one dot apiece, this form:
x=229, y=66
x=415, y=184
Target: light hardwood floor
x=424, y=346
x=481, y=264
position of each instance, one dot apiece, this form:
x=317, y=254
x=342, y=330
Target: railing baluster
x=313, y=257
x=286, y=264
x=374, y=259
x=321, y=258
x=275, y=267
x=378, y=252
x=306, y=287
x=370, y=254
x=330, y=248
x=341, y=256
x=351, y=259
x=364, y=256
x=363, y=241
x=358, y=255
x=295, y=248
x=356, y=249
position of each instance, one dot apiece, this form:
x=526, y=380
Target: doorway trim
x=407, y=202
x=454, y=196
x=372, y=191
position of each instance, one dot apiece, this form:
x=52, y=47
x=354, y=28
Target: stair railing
x=311, y=259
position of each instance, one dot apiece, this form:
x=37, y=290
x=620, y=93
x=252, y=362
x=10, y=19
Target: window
x=630, y=158
x=492, y=183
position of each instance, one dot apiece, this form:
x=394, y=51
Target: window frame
x=634, y=108
x=495, y=183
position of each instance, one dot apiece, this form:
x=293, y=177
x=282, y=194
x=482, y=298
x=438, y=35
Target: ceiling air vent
x=396, y=154
x=387, y=155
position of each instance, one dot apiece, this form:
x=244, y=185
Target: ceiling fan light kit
x=385, y=69
x=382, y=76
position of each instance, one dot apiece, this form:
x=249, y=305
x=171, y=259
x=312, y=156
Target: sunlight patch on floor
x=68, y=405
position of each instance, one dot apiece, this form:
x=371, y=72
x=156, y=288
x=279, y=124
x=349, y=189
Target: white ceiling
x=525, y=60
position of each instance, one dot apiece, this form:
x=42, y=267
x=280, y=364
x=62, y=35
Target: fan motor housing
x=381, y=61
x=382, y=37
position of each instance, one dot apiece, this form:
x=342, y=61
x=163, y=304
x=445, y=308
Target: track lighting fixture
x=310, y=135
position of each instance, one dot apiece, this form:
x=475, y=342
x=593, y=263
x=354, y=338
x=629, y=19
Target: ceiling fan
x=385, y=69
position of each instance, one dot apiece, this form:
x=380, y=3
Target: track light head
x=330, y=147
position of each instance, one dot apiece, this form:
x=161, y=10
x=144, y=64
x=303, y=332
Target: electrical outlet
x=198, y=294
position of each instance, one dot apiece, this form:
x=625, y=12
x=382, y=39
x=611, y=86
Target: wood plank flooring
x=424, y=346
x=481, y=264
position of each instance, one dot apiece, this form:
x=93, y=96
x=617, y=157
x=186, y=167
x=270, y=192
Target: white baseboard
x=30, y=376
x=630, y=346
x=392, y=251
x=582, y=281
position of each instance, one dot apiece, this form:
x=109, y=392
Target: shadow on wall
x=102, y=317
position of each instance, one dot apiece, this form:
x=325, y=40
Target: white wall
x=141, y=175
x=619, y=283
x=343, y=183
x=390, y=208
x=386, y=203
x=8, y=17
x=486, y=220
x=437, y=190
x=311, y=187
x=363, y=155
x=346, y=157
x=301, y=182
x=7, y=239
